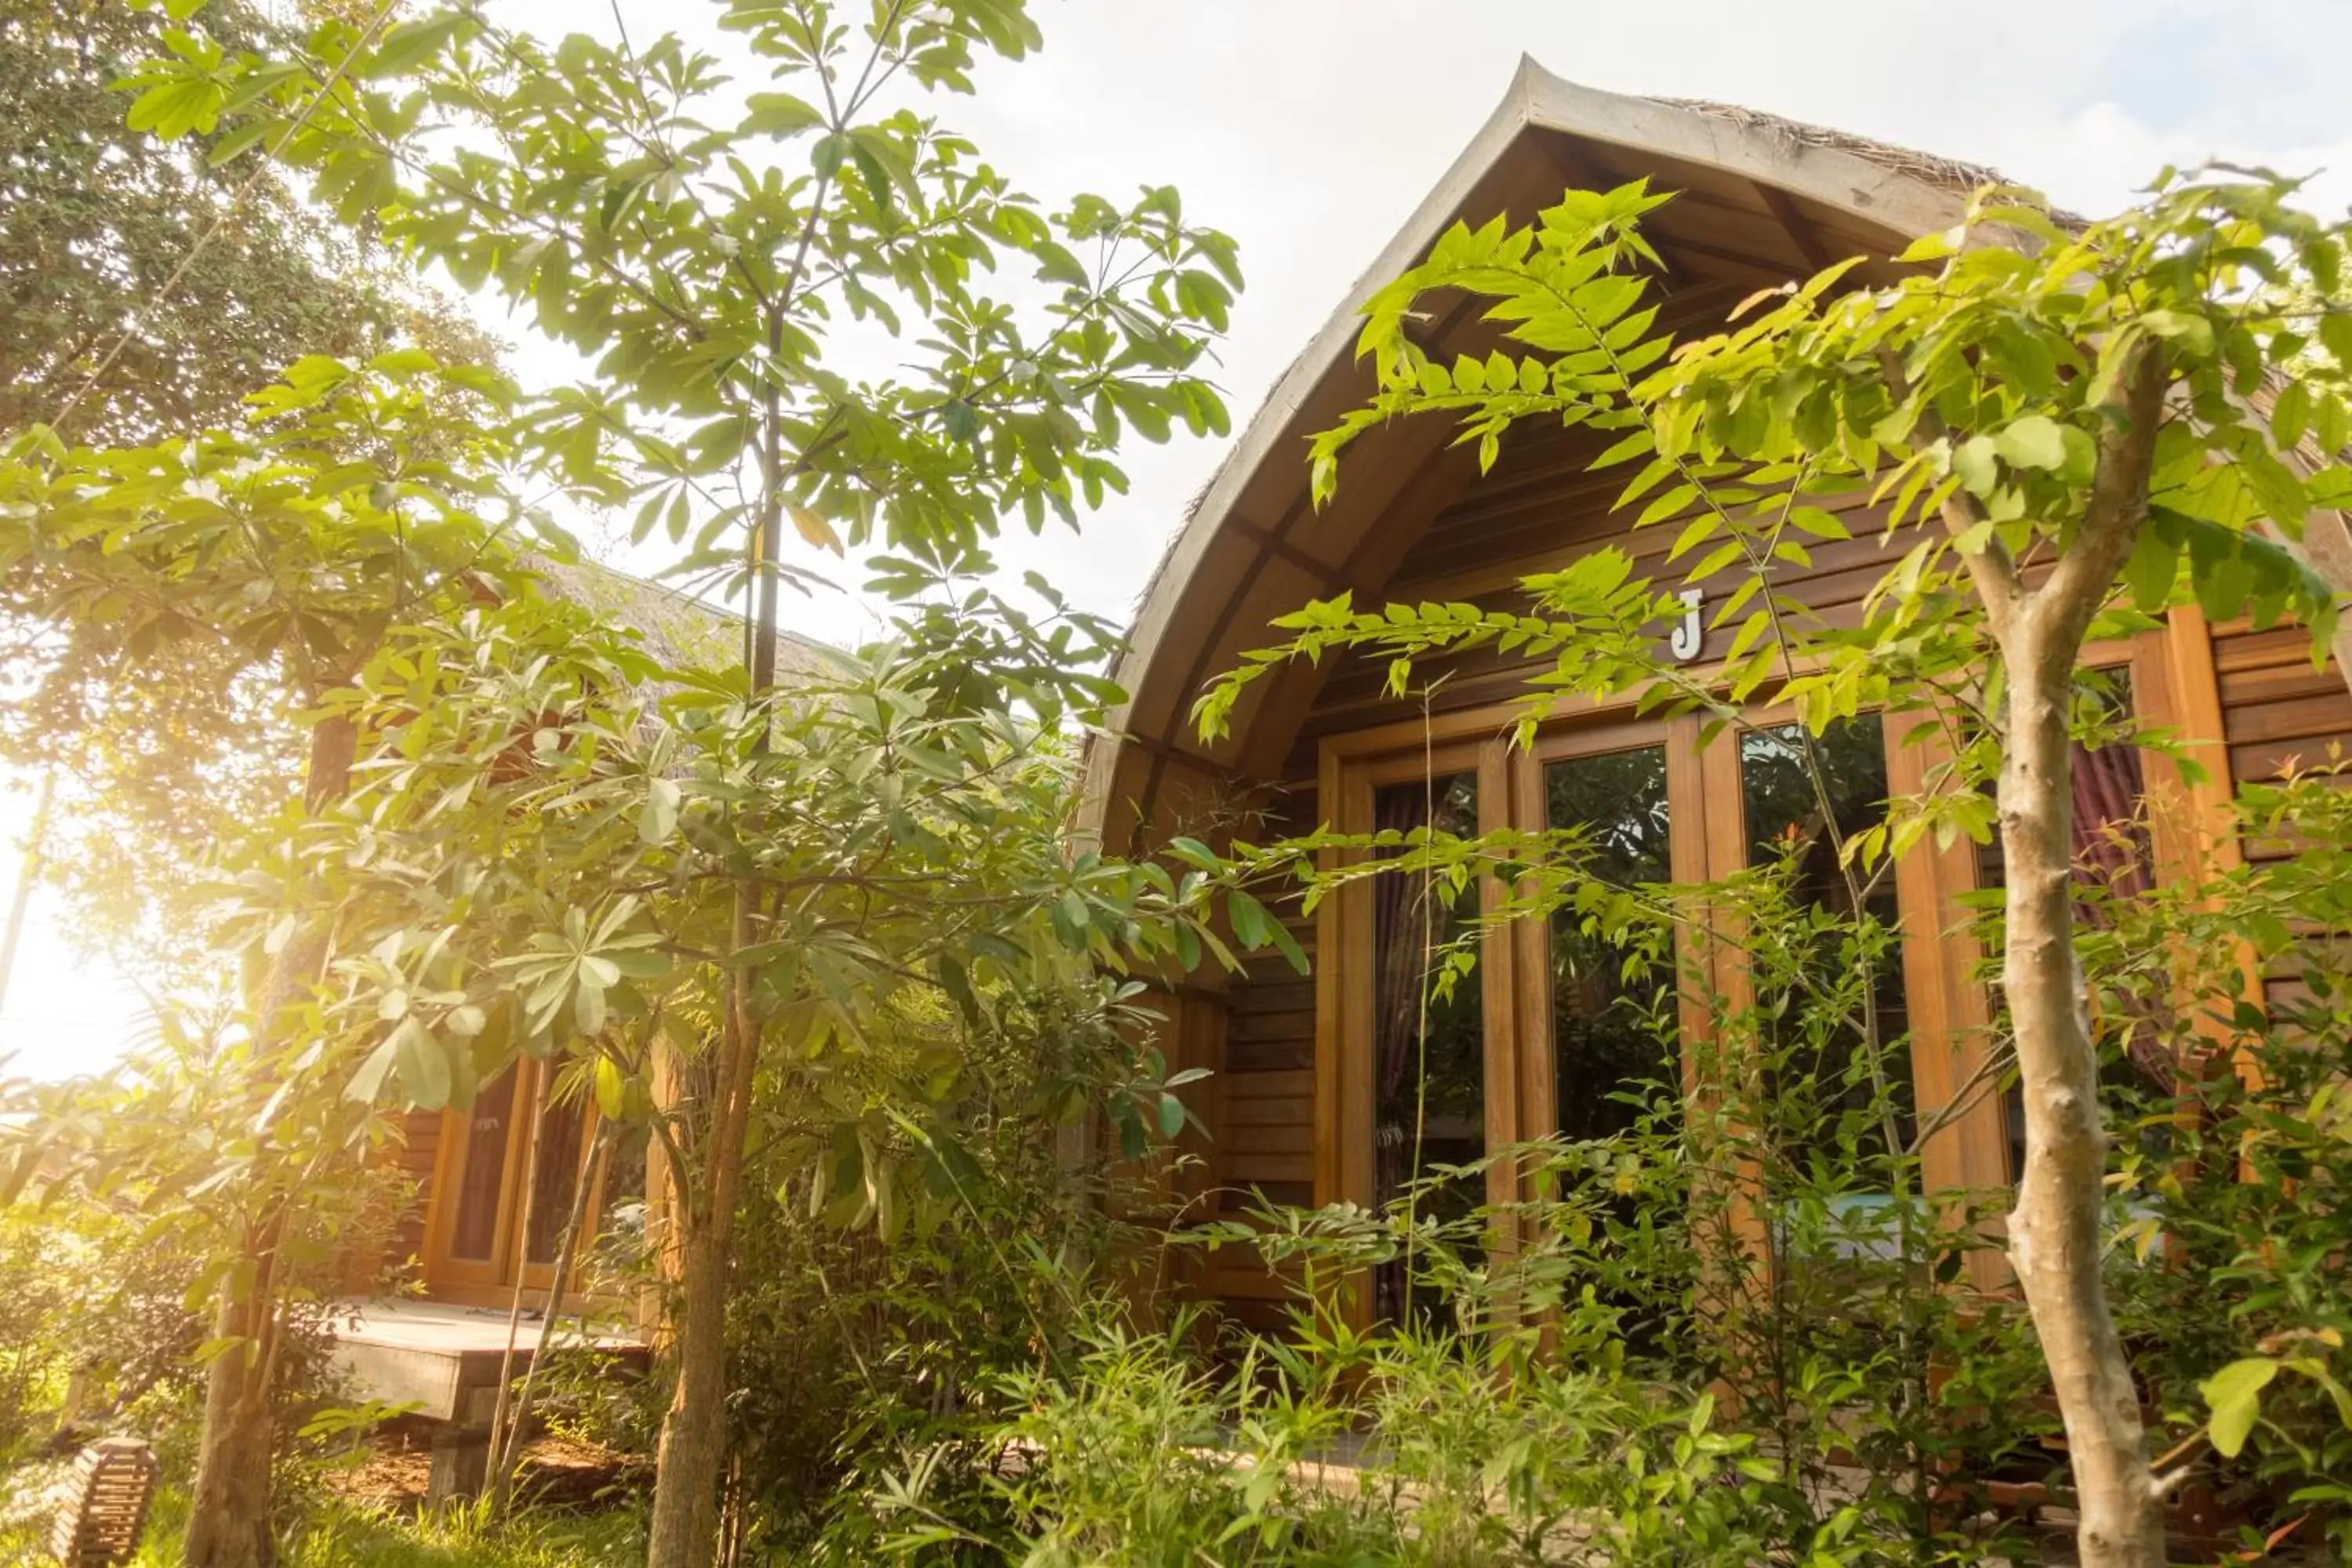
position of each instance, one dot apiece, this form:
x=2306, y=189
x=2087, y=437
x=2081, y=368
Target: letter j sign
x=1689, y=633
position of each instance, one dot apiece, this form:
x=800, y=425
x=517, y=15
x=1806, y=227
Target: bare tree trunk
x=28, y=877
x=692, y=1453
x=537, y=1112
x=229, y=1506
x=2054, y=1240
x=228, y=1515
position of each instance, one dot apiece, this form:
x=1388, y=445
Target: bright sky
x=1310, y=129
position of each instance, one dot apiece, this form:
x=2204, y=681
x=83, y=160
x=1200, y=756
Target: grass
x=337, y=1534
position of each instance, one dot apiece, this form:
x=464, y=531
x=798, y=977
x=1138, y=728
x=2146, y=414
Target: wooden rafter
x=1330, y=579
x=1584, y=174
x=1796, y=225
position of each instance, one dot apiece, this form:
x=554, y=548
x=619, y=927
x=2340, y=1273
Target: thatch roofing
x=1761, y=200
x=1765, y=199
x=678, y=629
x=1953, y=174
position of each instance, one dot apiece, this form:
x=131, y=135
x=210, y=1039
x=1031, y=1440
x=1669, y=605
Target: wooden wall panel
x=2278, y=711
x=1540, y=509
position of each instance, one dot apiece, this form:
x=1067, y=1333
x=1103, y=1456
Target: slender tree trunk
x=28, y=877
x=229, y=1506
x=228, y=1516
x=499, y=1436
x=504, y=1461
x=2054, y=1233
x=692, y=1453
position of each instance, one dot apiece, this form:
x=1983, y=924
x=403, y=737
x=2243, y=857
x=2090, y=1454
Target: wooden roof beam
x=1755, y=267
x=1330, y=579
x=1584, y=174
x=1796, y=225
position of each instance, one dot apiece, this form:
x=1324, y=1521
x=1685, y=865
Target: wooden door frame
x=1346, y=1101
x=2175, y=687
x=479, y=1282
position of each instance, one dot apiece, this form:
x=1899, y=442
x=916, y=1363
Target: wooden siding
x=1267, y=1107
x=2278, y=711
x=1537, y=510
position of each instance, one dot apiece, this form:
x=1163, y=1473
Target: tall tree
x=723, y=254
x=146, y=288
x=2070, y=425
x=351, y=503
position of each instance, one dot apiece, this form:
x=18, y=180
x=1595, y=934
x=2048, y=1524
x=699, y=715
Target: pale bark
x=692, y=1452
x=504, y=1461
x=229, y=1504
x=2055, y=1240
x=2054, y=1233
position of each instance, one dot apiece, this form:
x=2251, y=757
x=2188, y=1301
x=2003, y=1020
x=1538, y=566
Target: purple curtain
x=2113, y=857
x=2111, y=846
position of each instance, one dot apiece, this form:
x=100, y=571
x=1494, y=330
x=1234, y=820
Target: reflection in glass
x=1609, y=1034
x=475, y=1236
x=1784, y=812
x=555, y=1177
x=1428, y=1050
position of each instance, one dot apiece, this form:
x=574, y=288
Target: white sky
x=1310, y=129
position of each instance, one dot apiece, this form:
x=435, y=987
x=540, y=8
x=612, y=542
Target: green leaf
x=2335, y=332
x=610, y=1090
x=779, y=114
x=1249, y=918
x=2035, y=441
x=368, y=1082
x=1935, y=247
x=1171, y=1116
x=658, y=819
x=2193, y=331
x=424, y=1065
x=2235, y=1394
x=409, y=46
x=1975, y=462
x=2154, y=563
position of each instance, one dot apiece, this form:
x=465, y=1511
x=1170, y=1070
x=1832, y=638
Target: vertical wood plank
x=1497, y=1004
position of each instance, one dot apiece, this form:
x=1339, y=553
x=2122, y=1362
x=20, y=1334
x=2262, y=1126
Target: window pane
x=1785, y=817
x=1429, y=1050
x=2114, y=860
x=474, y=1235
x=555, y=1174
x=1608, y=1036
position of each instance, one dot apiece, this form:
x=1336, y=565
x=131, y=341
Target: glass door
x=486, y=1226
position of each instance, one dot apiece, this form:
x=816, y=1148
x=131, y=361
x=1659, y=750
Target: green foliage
x=856, y=1359
x=333, y=1533
x=1554, y=1401
x=543, y=849
x=1970, y=403
x=717, y=253
x=154, y=753
x=2230, y=1275
x=181, y=605
x=95, y=214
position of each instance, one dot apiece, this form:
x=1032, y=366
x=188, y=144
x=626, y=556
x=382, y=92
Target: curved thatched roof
x=1759, y=200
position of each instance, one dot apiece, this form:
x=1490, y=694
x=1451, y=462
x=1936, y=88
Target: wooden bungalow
x=494, y=1184
x=1306, y=1096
